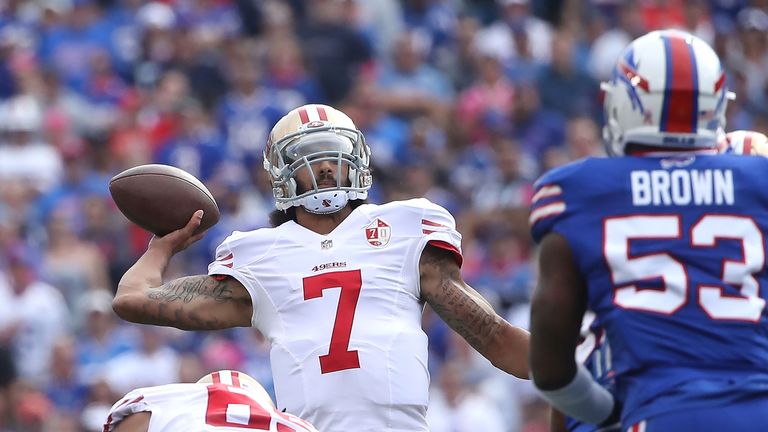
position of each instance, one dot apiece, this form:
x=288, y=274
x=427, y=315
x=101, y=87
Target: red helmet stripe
x=303, y=115
x=321, y=113
x=747, y=149
x=216, y=378
x=680, y=110
x=720, y=82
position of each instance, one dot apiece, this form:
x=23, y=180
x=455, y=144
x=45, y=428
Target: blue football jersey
x=673, y=251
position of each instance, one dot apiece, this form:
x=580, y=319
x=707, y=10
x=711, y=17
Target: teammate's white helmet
x=310, y=134
x=745, y=142
x=668, y=90
x=241, y=380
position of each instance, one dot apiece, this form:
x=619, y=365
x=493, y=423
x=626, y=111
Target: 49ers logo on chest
x=378, y=233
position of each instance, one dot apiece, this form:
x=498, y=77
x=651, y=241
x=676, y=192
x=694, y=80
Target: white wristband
x=583, y=398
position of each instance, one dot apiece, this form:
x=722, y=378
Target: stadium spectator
x=65, y=391
x=562, y=76
x=198, y=146
x=388, y=135
x=25, y=155
x=248, y=110
x=515, y=16
x=153, y=362
x=456, y=407
x=287, y=73
x=535, y=127
x=336, y=51
x=100, y=339
x=508, y=185
x=74, y=265
x=33, y=314
x=411, y=86
x=491, y=93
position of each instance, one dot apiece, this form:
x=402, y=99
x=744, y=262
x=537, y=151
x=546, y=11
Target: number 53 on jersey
x=628, y=270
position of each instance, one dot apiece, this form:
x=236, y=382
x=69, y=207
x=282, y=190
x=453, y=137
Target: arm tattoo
x=187, y=289
x=460, y=306
x=186, y=303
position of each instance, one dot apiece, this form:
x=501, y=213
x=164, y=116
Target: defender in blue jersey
x=594, y=352
x=666, y=243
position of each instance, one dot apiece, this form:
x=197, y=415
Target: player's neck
x=321, y=223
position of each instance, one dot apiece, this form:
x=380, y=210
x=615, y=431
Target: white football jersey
x=223, y=406
x=343, y=312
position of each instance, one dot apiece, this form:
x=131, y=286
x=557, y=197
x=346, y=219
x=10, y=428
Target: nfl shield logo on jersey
x=378, y=233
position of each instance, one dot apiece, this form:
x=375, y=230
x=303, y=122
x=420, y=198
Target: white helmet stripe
x=225, y=377
x=312, y=111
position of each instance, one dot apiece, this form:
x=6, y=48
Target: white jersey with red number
x=343, y=312
x=223, y=406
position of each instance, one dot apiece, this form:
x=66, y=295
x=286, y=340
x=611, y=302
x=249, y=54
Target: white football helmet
x=668, y=90
x=311, y=134
x=745, y=142
x=238, y=379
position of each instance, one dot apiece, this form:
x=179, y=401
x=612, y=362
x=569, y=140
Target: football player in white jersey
x=223, y=401
x=338, y=286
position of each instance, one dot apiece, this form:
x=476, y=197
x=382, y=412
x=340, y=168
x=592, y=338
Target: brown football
x=162, y=198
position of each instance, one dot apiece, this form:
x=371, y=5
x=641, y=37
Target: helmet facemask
x=302, y=150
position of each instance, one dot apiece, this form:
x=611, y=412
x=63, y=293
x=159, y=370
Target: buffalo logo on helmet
x=647, y=117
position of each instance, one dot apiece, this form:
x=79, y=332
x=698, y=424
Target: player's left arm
x=469, y=314
x=557, y=309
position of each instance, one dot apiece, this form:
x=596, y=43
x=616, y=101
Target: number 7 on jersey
x=339, y=356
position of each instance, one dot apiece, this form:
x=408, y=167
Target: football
x=162, y=198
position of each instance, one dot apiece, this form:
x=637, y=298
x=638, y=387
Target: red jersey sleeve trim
x=449, y=247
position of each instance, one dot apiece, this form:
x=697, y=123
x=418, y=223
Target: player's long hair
x=279, y=217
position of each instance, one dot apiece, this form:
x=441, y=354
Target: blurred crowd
x=464, y=102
